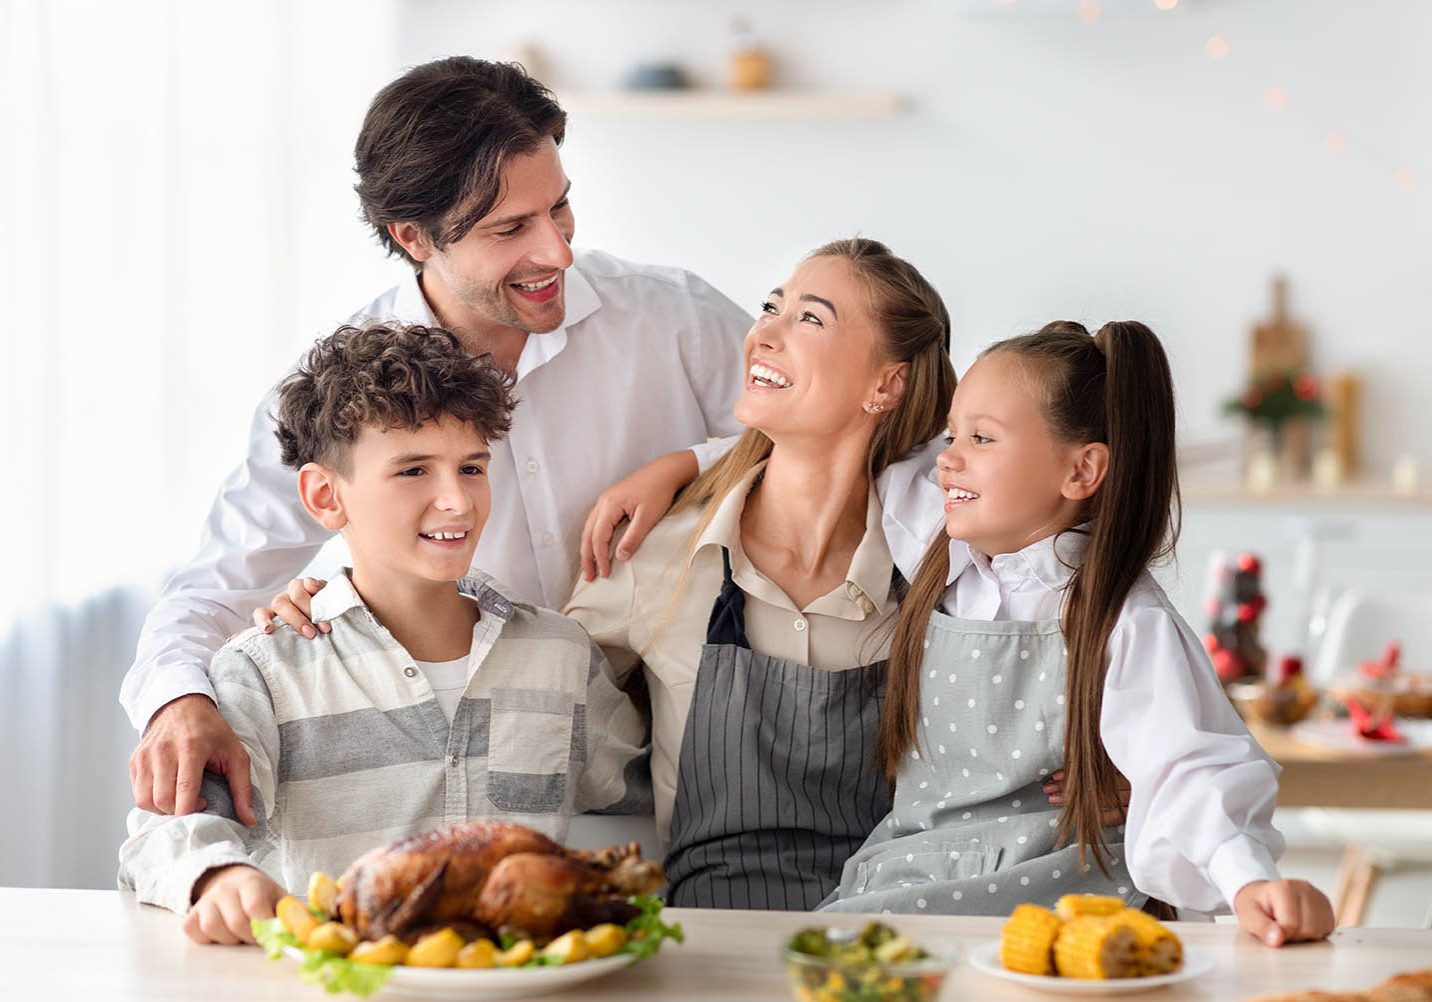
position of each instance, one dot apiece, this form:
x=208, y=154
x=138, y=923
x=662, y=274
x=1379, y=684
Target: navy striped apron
x=777, y=784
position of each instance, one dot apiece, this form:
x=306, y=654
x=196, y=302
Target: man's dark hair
x=385, y=376
x=434, y=142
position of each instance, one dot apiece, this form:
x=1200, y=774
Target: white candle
x=1404, y=475
x=1262, y=472
x=1327, y=469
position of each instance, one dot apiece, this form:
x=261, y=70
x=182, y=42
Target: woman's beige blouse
x=646, y=614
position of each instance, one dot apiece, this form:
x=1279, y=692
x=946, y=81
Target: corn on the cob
x=1160, y=951
x=1096, y=946
x=1073, y=905
x=1027, y=945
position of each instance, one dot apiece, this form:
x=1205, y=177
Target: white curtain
x=176, y=188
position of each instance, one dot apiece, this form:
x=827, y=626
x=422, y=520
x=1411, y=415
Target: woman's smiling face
x=811, y=357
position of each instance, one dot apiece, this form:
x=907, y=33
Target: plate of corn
x=1089, y=945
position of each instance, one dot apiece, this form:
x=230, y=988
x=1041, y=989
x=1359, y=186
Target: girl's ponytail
x=1135, y=518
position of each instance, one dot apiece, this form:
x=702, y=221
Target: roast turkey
x=497, y=876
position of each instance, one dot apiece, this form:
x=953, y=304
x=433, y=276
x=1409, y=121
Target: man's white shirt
x=648, y=361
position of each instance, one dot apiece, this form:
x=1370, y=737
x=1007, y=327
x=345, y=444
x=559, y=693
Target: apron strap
x=727, y=624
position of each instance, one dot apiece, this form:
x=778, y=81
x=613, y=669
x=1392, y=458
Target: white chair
x=1360, y=624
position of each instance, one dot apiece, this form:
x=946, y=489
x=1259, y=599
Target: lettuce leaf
x=647, y=931
x=336, y=974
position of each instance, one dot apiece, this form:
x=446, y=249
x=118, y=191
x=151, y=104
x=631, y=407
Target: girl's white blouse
x=1200, y=819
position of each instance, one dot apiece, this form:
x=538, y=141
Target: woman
x=761, y=605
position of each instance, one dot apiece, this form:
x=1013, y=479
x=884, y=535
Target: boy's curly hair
x=385, y=375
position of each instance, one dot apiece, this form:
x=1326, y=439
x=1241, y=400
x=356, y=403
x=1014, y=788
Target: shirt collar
x=339, y=596
x=410, y=305
x=581, y=296
x=870, y=565
x=581, y=301
x=1051, y=561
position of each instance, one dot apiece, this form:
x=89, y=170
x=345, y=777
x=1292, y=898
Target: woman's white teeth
x=770, y=377
x=535, y=286
x=960, y=494
x=445, y=535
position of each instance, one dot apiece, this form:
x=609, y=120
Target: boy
x=435, y=698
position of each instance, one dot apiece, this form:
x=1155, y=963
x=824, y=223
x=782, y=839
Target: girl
x=1035, y=637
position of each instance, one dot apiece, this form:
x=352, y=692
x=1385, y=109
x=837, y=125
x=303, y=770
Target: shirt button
x=410, y=671
x=800, y=625
x=453, y=761
x=547, y=539
x=852, y=589
x=867, y=605
x=531, y=466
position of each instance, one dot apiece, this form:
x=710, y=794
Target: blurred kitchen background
x=176, y=182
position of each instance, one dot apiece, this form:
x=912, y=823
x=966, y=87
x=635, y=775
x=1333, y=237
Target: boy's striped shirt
x=349, y=748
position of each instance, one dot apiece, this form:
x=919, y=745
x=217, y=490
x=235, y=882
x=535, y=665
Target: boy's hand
x=644, y=497
x=295, y=607
x=1112, y=815
x=1283, y=911
x=185, y=737
x=225, y=899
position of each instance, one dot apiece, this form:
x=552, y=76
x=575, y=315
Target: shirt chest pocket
x=534, y=740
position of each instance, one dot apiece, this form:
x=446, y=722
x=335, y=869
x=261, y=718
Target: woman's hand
x=642, y=498
x=225, y=899
x=294, y=606
x=1283, y=911
x=1113, y=814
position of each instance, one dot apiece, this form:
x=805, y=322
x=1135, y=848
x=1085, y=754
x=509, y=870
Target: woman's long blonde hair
x=912, y=325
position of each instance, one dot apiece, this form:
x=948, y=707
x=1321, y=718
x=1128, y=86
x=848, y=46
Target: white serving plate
x=985, y=959
x=489, y=983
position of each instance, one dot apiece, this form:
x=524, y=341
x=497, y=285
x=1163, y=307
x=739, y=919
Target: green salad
x=877, y=964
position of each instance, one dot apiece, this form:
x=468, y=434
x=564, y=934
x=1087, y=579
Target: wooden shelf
x=1367, y=493
x=699, y=103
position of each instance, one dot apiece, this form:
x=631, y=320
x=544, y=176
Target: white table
x=59, y=945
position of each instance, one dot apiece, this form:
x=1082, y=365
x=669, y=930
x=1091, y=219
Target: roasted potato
x=478, y=953
x=605, y=939
x=296, y=918
x=388, y=950
x=333, y=937
x=517, y=954
x=436, y=949
x=322, y=893
x=568, y=948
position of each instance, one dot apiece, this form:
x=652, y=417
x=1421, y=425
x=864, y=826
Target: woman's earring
x=874, y=408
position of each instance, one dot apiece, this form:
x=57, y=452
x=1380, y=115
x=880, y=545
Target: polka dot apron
x=971, y=832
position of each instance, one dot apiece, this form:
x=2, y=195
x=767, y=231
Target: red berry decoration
x=1235, y=604
x=1228, y=666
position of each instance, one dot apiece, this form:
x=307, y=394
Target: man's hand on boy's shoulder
x=185, y=737
x=294, y=606
x=225, y=899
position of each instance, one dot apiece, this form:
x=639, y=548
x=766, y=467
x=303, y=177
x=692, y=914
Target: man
x=615, y=364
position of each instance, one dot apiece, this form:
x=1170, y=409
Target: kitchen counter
x=68, y=944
